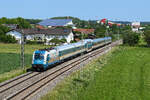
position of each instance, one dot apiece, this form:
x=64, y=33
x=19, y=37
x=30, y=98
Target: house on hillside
x=11, y=26
x=135, y=26
x=43, y=34
x=56, y=23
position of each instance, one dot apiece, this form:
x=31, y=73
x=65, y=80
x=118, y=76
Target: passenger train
x=44, y=58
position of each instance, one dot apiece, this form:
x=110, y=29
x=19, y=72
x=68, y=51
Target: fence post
x=22, y=49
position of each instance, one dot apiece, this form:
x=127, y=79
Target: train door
x=89, y=46
x=57, y=55
x=48, y=58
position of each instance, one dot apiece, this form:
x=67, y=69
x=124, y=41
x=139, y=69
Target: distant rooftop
x=12, y=26
x=85, y=31
x=45, y=31
x=55, y=22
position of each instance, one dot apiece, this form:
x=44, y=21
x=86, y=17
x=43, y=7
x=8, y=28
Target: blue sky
x=126, y=10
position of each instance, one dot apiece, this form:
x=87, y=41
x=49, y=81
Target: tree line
x=20, y=22
x=133, y=38
x=124, y=31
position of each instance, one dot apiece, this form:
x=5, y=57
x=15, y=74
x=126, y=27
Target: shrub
x=7, y=39
x=131, y=38
x=31, y=42
x=72, y=41
x=147, y=37
x=63, y=40
x=113, y=36
x=34, y=42
x=55, y=41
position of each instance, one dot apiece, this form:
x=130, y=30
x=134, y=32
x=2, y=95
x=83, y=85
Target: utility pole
x=107, y=27
x=118, y=27
x=106, y=33
x=22, y=49
x=118, y=32
x=82, y=42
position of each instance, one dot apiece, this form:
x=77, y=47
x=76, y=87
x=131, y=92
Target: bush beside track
x=121, y=75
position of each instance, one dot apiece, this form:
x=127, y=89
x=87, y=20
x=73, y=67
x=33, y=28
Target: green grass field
x=10, y=58
x=123, y=74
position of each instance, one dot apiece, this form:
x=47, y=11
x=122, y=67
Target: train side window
x=60, y=53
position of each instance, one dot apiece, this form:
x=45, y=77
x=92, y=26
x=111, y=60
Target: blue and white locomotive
x=42, y=59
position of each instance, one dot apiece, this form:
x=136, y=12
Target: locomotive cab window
x=38, y=56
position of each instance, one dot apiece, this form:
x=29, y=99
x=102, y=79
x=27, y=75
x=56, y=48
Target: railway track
x=4, y=87
x=23, y=87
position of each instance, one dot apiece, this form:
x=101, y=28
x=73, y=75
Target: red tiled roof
x=103, y=20
x=85, y=31
x=40, y=27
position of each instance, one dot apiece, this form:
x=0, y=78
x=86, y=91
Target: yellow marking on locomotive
x=53, y=59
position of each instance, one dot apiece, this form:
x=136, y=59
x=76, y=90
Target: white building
x=16, y=34
x=43, y=34
x=135, y=26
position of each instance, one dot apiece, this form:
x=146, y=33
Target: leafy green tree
x=7, y=39
x=100, y=31
x=31, y=42
x=83, y=36
x=147, y=37
x=131, y=38
x=114, y=29
x=63, y=40
x=3, y=20
x=80, y=35
x=73, y=41
x=126, y=28
x=55, y=41
x=3, y=29
x=3, y=37
x=147, y=28
x=33, y=21
x=20, y=21
x=23, y=23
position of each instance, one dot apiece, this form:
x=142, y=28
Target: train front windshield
x=38, y=56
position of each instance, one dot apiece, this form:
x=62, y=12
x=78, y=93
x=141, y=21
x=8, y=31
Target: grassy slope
x=10, y=59
x=124, y=77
